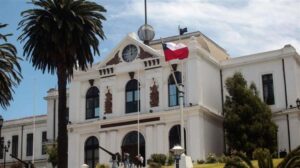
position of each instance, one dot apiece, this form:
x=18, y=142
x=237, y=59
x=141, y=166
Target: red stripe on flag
x=180, y=53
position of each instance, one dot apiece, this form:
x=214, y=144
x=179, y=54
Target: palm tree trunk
x=62, y=122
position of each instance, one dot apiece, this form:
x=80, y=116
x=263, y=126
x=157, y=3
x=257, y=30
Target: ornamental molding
x=115, y=60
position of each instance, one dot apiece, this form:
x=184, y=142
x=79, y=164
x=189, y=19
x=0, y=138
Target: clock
x=129, y=53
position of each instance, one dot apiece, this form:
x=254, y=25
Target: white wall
x=14, y=127
x=253, y=73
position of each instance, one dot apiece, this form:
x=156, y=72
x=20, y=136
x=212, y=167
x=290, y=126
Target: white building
x=27, y=142
x=103, y=102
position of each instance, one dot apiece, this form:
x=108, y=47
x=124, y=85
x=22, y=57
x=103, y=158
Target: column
x=160, y=138
x=195, y=137
x=149, y=141
x=294, y=130
x=103, y=155
x=74, y=152
x=112, y=145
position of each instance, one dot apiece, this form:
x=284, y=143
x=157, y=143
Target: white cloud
x=241, y=27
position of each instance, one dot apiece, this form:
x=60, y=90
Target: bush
x=154, y=165
x=102, y=166
x=223, y=159
x=211, y=158
x=291, y=160
x=170, y=160
x=238, y=160
x=263, y=157
x=158, y=158
x=200, y=161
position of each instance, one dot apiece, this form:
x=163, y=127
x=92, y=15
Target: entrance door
x=130, y=146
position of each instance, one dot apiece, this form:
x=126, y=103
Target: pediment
x=115, y=56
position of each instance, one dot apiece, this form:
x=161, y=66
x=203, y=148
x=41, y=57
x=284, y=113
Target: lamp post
x=177, y=151
x=6, y=148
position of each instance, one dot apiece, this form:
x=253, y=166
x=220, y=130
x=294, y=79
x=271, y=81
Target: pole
x=181, y=115
x=145, y=3
x=4, y=157
x=180, y=90
x=34, y=111
x=138, y=105
x=181, y=95
x=177, y=160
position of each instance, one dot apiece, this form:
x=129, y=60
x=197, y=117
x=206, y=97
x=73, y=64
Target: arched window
x=91, y=151
x=130, y=145
x=132, y=96
x=175, y=138
x=173, y=93
x=92, y=103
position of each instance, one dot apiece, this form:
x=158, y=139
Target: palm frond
x=10, y=70
x=291, y=160
x=62, y=32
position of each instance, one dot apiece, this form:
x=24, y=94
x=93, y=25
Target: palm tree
x=10, y=70
x=292, y=160
x=60, y=36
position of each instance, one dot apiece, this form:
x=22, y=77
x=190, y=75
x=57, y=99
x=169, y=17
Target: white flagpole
x=138, y=120
x=34, y=108
x=181, y=95
x=180, y=90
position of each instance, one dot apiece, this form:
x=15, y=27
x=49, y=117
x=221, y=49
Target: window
x=14, y=145
x=44, y=140
x=268, y=89
x=91, y=151
x=1, y=147
x=130, y=145
x=29, y=145
x=175, y=137
x=132, y=96
x=173, y=90
x=92, y=103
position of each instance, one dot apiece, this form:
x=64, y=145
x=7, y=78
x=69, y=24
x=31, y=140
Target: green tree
x=10, y=70
x=247, y=120
x=52, y=154
x=60, y=36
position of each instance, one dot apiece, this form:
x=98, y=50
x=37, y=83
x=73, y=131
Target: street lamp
x=6, y=148
x=177, y=151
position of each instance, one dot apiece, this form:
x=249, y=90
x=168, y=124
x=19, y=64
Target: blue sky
x=240, y=26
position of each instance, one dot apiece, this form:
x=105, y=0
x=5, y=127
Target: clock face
x=129, y=53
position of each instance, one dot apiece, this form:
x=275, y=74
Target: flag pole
x=180, y=90
x=181, y=95
x=34, y=120
x=138, y=121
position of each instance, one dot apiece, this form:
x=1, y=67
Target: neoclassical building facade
x=130, y=98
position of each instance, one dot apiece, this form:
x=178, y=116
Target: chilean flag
x=175, y=51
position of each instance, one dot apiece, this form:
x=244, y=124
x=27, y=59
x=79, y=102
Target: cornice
x=287, y=51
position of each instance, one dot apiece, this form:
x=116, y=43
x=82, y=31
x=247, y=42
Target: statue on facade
x=154, y=95
x=108, y=102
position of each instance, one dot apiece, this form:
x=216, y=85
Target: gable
x=115, y=57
